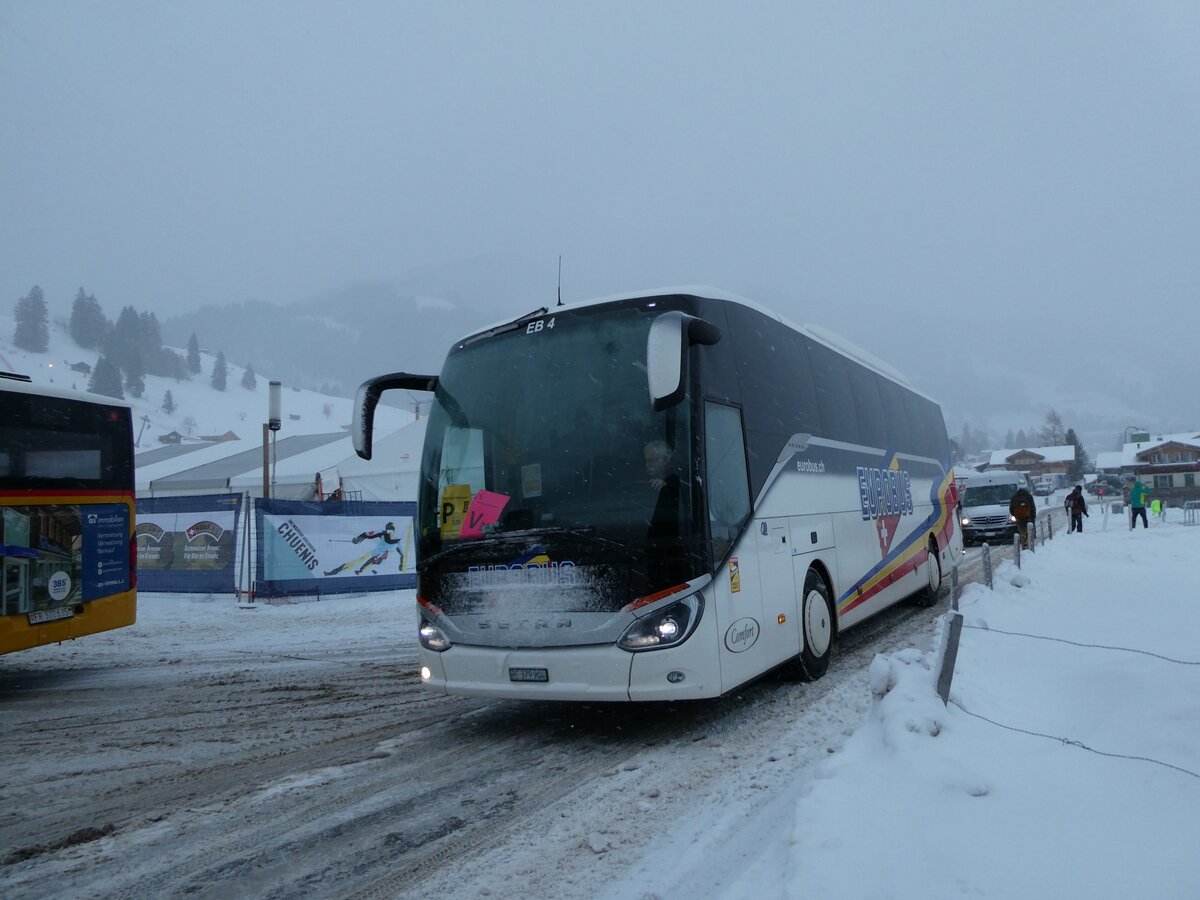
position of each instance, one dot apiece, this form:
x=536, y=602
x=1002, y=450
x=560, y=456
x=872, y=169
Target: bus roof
x=822, y=335
x=15, y=386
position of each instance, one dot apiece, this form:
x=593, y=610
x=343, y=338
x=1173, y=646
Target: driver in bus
x=665, y=520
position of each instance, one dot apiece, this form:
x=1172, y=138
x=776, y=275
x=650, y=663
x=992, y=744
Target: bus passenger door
x=738, y=589
x=15, y=586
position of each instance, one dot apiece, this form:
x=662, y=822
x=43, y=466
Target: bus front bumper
x=599, y=673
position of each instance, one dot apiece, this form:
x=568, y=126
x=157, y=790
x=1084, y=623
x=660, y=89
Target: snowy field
x=1066, y=765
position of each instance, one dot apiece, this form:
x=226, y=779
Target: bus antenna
x=560, y=303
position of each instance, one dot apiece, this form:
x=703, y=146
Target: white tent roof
x=392, y=473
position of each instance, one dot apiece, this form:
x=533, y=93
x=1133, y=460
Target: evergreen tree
x=1022, y=441
x=106, y=379
x=135, y=372
x=157, y=357
x=193, y=355
x=1083, y=463
x=88, y=326
x=219, y=372
x=1009, y=439
x=176, y=367
x=249, y=382
x=125, y=339
x=33, y=322
x=168, y=404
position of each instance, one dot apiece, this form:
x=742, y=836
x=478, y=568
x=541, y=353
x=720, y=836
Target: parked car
x=1112, y=487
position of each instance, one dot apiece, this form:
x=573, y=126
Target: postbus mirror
x=367, y=399
x=666, y=351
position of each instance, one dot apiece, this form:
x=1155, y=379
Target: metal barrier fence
x=1191, y=512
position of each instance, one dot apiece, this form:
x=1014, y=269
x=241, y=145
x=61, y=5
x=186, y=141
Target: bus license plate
x=38, y=616
x=528, y=674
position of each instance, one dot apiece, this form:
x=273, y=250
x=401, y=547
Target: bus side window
x=726, y=479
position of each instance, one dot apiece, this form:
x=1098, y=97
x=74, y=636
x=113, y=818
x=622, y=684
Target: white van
x=983, y=504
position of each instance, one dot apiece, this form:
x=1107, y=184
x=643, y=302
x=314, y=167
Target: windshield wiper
x=514, y=537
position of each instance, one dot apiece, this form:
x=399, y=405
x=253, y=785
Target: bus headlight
x=666, y=627
x=433, y=638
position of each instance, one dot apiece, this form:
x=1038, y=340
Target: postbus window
x=63, y=464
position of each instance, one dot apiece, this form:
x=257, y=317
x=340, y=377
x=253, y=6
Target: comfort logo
x=741, y=635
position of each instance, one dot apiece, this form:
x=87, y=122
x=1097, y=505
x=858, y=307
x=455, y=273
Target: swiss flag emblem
x=885, y=527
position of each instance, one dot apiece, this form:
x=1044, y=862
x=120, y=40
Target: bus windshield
x=544, y=433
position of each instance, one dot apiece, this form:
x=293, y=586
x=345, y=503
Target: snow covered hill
x=200, y=410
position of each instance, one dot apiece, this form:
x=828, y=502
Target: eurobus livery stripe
x=910, y=554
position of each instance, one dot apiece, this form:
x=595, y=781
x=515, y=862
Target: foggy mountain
x=338, y=338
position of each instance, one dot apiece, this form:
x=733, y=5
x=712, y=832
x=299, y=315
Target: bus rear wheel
x=928, y=596
x=816, y=629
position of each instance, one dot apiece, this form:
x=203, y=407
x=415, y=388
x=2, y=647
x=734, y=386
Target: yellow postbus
x=67, y=555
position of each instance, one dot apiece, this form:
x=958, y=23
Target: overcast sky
x=980, y=193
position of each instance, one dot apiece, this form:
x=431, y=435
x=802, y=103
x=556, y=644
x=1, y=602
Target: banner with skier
x=327, y=548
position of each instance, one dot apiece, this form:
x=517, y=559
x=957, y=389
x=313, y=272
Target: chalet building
x=1039, y=462
x=1169, y=465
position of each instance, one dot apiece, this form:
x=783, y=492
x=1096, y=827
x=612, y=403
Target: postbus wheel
x=816, y=629
x=928, y=596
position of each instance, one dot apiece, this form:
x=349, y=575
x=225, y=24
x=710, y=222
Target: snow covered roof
x=1127, y=456
x=1064, y=453
x=217, y=474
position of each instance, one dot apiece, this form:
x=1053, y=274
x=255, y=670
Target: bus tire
x=928, y=595
x=816, y=628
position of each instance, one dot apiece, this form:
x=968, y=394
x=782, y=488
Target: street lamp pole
x=274, y=423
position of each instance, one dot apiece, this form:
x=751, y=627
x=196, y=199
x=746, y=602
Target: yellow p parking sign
x=456, y=498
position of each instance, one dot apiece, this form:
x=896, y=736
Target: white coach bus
x=663, y=496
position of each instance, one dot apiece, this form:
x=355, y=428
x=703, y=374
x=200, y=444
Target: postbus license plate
x=516, y=674
x=38, y=616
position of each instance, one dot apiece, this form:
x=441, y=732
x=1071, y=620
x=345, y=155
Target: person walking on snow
x=1022, y=508
x=1137, y=505
x=1077, y=509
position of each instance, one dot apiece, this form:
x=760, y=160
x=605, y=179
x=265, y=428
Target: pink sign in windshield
x=485, y=509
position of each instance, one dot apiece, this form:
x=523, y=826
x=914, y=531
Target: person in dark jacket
x=1077, y=509
x=1022, y=508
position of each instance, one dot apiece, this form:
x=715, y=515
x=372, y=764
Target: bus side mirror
x=367, y=399
x=666, y=352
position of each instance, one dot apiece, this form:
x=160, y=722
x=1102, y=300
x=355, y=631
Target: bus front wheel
x=817, y=628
